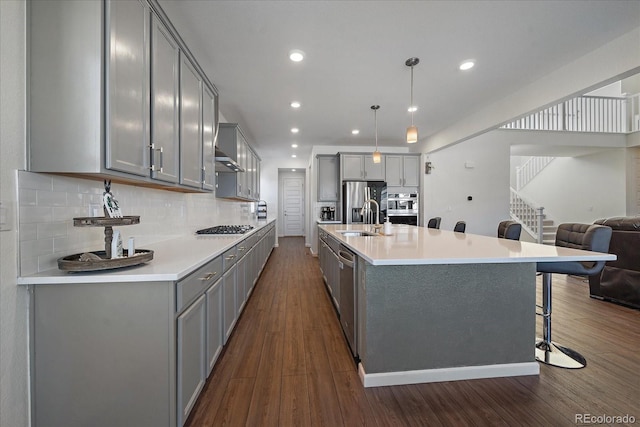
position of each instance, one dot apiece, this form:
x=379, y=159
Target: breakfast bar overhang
x=435, y=305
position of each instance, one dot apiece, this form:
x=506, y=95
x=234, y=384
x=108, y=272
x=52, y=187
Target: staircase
x=549, y=232
x=532, y=218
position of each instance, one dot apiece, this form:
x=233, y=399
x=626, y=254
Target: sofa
x=619, y=280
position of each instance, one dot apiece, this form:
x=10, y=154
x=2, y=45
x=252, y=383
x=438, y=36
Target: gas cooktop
x=226, y=229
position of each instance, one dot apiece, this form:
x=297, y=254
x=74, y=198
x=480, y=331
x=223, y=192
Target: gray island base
x=444, y=322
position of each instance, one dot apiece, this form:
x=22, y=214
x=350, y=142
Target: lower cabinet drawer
x=197, y=282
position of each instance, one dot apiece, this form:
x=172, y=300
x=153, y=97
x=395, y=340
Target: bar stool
x=578, y=236
x=434, y=223
x=460, y=227
x=509, y=230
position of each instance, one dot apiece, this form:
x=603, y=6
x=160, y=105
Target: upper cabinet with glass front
x=105, y=92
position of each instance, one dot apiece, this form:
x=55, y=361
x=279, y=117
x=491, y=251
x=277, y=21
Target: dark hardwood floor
x=287, y=364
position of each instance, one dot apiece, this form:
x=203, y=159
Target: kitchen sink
x=357, y=233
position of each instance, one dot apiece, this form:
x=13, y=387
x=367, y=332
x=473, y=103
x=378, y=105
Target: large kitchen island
x=434, y=305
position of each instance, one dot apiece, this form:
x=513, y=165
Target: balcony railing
x=586, y=114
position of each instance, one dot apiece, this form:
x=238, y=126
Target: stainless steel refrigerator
x=355, y=193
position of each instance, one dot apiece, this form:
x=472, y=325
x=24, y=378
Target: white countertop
x=409, y=245
x=326, y=221
x=172, y=260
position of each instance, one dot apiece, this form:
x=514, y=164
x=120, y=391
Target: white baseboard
x=447, y=374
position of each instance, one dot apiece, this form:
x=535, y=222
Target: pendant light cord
x=411, y=106
x=375, y=120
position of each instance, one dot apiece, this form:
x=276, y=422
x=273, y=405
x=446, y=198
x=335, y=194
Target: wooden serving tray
x=101, y=221
x=73, y=263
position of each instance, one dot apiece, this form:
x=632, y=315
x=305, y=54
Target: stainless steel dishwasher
x=348, y=301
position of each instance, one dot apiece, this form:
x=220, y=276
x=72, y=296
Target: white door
x=293, y=205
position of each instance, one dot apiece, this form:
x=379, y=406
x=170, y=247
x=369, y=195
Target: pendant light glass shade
x=376, y=156
x=412, y=131
x=412, y=134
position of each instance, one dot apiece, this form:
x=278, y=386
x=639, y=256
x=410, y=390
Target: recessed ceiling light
x=295, y=130
x=467, y=65
x=296, y=55
x=293, y=170
x=294, y=145
x=355, y=131
x=412, y=109
x=293, y=155
x=295, y=104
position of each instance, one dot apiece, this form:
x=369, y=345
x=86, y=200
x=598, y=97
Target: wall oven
x=403, y=208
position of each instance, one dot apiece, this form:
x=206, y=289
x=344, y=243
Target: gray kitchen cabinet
x=373, y=171
x=241, y=278
x=238, y=185
x=330, y=265
x=97, y=108
x=89, y=102
x=132, y=353
x=215, y=337
x=402, y=170
x=106, y=354
x=165, y=92
x=229, y=292
x=328, y=178
x=360, y=167
x=352, y=166
x=192, y=351
x=209, y=136
x=128, y=87
x=411, y=171
x=190, y=124
x=251, y=273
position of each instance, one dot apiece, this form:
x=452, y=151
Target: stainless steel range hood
x=225, y=163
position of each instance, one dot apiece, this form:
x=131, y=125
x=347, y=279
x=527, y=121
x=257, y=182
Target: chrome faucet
x=377, y=226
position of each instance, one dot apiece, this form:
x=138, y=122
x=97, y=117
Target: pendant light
x=377, y=157
x=412, y=131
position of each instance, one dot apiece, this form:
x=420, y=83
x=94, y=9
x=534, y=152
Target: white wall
x=582, y=189
x=446, y=188
x=14, y=356
x=618, y=59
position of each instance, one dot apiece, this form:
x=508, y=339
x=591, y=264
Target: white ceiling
x=355, y=55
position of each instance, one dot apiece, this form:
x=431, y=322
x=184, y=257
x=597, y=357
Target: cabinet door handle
x=230, y=257
x=153, y=158
x=242, y=248
x=209, y=276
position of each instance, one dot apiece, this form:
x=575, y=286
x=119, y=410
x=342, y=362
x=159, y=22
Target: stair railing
x=528, y=214
x=634, y=112
x=584, y=114
x=532, y=167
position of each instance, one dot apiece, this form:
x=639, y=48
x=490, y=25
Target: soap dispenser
x=387, y=227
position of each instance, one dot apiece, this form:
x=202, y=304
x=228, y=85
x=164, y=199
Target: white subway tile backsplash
x=48, y=204
x=35, y=181
x=51, y=229
x=28, y=233
x=65, y=184
x=52, y=198
x=35, y=214
x=28, y=265
x=28, y=197
x=36, y=247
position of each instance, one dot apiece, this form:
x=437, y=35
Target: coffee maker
x=328, y=213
